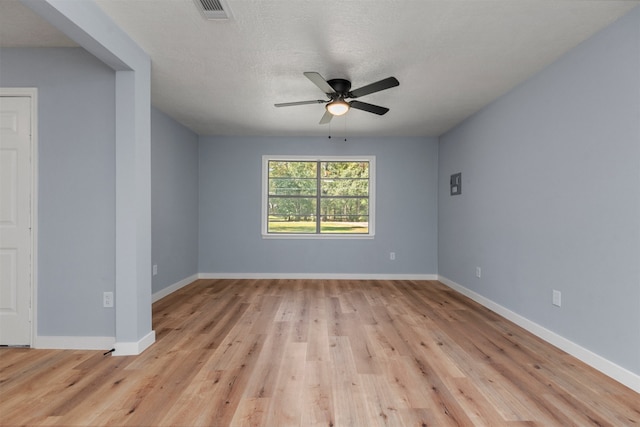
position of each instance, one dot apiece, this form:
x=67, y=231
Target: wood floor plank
x=349, y=400
x=407, y=388
x=474, y=403
x=388, y=333
x=251, y=412
x=363, y=352
x=224, y=400
x=269, y=362
x=382, y=405
x=54, y=369
x=152, y=399
x=301, y=313
x=194, y=400
x=286, y=408
x=318, y=341
x=317, y=395
x=316, y=353
x=240, y=349
x=446, y=407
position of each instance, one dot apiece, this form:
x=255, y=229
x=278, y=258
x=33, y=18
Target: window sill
x=319, y=236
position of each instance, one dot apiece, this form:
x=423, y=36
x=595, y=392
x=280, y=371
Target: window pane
x=345, y=186
x=285, y=169
x=292, y=186
x=357, y=209
x=344, y=169
x=344, y=215
x=292, y=178
x=292, y=215
x=345, y=224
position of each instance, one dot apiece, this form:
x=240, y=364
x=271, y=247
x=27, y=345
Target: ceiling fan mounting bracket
x=341, y=86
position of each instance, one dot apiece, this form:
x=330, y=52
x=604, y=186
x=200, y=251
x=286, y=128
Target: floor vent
x=213, y=9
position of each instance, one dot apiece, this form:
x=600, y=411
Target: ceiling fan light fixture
x=338, y=107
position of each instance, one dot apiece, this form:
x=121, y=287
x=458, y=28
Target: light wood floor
x=316, y=353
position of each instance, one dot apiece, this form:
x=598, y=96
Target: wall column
x=86, y=24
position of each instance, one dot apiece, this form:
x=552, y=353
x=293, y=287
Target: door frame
x=31, y=92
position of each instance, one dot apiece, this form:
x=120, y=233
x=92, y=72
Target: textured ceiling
x=451, y=57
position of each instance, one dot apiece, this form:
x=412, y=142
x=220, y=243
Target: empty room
x=319, y=213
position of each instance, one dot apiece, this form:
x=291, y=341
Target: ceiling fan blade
x=375, y=109
x=289, y=104
x=326, y=118
x=319, y=81
x=383, y=84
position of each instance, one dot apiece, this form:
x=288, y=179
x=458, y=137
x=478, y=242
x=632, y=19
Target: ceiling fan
x=338, y=91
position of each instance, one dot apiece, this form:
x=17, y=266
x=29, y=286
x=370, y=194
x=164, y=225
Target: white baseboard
x=618, y=373
x=318, y=276
x=74, y=343
x=136, y=347
x=172, y=288
x=94, y=343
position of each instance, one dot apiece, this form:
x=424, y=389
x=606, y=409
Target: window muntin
x=318, y=197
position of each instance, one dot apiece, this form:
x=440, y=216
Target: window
x=329, y=197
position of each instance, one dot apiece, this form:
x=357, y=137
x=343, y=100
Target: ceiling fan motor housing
x=341, y=86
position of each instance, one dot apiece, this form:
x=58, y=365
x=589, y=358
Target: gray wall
x=551, y=197
x=174, y=200
x=230, y=208
x=76, y=185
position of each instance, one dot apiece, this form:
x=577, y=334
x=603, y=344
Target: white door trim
x=31, y=92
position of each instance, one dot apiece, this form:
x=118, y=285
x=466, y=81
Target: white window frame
x=265, y=196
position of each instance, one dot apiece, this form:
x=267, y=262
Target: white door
x=15, y=220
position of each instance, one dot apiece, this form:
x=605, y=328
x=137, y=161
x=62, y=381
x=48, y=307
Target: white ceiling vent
x=213, y=9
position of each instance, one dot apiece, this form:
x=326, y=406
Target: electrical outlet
x=557, y=298
x=155, y=269
x=478, y=272
x=392, y=256
x=107, y=299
